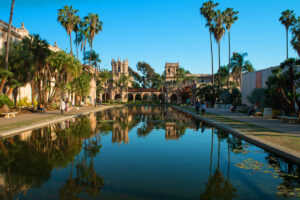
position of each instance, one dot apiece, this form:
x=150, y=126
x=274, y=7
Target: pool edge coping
x=17, y=131
x=266, y=145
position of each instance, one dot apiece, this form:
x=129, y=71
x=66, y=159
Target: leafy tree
x=229, y=19
x=208, y=12
x=209, y=93
x=287, y=19
x=218, y=30
x=68, y=19
x=285, y=80
x=95, y=58
x=149, y=76
x=296, y=36
x=240, y=66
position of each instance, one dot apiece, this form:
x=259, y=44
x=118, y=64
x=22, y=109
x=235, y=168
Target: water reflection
x=28, y=160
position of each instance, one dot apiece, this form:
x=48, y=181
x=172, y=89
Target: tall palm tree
x=239, y=65
x=229, y=19
x=83, y=38
x=296, y=36
x=95, y=58
x=219, y=31
x=287, y=19
x=68, y=19
x=76, y=31
x=93, y=26
x=7, y=42
x=208, y=12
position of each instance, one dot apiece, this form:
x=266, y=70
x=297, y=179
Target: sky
x=160, y=31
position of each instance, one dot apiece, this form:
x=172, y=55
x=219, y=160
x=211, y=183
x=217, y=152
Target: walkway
x=25, y=122
x=273, y=124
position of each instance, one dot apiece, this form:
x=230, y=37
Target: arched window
x=119, y=69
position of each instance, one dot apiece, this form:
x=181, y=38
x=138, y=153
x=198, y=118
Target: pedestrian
x=197, y=107
x=67, y=106
x=203, y=107
x=62, y=106
x=95, y=102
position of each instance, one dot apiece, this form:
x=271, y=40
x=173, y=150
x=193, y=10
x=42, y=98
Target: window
x=169, y=71
x=119, y=69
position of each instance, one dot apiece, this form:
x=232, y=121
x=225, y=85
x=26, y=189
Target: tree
x=239, y=66
x=7, y=43
x=285, y=80
x=83, y=38
x=208, y=12
x=287, y=19
x=40, y=51
x=77, y=30
x=68, y=19
x=219, y=31
x=148, y=74
x=224, y=75
x=296, y=36
x=95, y=58
x=229, y=19
x=93, y=26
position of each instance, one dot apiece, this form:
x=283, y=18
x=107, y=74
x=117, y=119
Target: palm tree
x=287, y=19
x=77, y=30
x=95, y=58
x=93, y=26
x=239, y=65
x=7, y=43
x=208, y=12
x=219, y=31
x=4, y=75
x=296, y=36
x=83, y=38
x=68, y=19
x=229, y=19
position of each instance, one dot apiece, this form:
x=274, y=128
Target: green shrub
x=4, y=100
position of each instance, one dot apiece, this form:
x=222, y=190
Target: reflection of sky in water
x=157, y=166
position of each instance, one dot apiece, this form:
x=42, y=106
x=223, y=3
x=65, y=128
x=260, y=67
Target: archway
x=105, y=97
x=161, y=98
x=145, y=97
x=117, y=96
x=130, y=97
x=138, y=97
x=184, y=97
x=153, y=97
x=174, y=98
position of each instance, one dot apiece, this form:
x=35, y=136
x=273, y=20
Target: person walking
x=203, y=107
x=67, y=106
x=62, y=106
x=197, y=107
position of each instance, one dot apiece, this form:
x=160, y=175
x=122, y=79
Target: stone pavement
x=11, y=126
x=273, y=124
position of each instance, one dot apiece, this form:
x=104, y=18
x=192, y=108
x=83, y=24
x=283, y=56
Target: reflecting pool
x=140, y=152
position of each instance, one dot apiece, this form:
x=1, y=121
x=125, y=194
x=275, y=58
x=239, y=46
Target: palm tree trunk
x=76, y=43
x=71, y=52
x=218, y=149
x=212, y=60
x=287, y=44
x=91, y=52
x=228, y=67
x=219, y=65
x=9, y=91
x=2, y=84
x=8, y=36
x=32, y=93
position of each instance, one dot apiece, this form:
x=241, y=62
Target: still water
x=140, y=153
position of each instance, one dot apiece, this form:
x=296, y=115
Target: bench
x=258, y=114
x=10, y=114
x=288, y=119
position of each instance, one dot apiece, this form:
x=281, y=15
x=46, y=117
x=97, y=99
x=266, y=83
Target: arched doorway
x=105, y=97
x=130, y=97
x=138, y=97
x=161, y=98
x=117, y=96
x=184, y=97
x=174, y=98
x=145, y=97
x=153, y=97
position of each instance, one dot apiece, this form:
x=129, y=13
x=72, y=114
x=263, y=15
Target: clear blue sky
x=160, y=31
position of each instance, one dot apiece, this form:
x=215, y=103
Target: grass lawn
x=286, y=140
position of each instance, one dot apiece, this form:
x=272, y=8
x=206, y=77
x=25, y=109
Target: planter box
x=267, y=113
